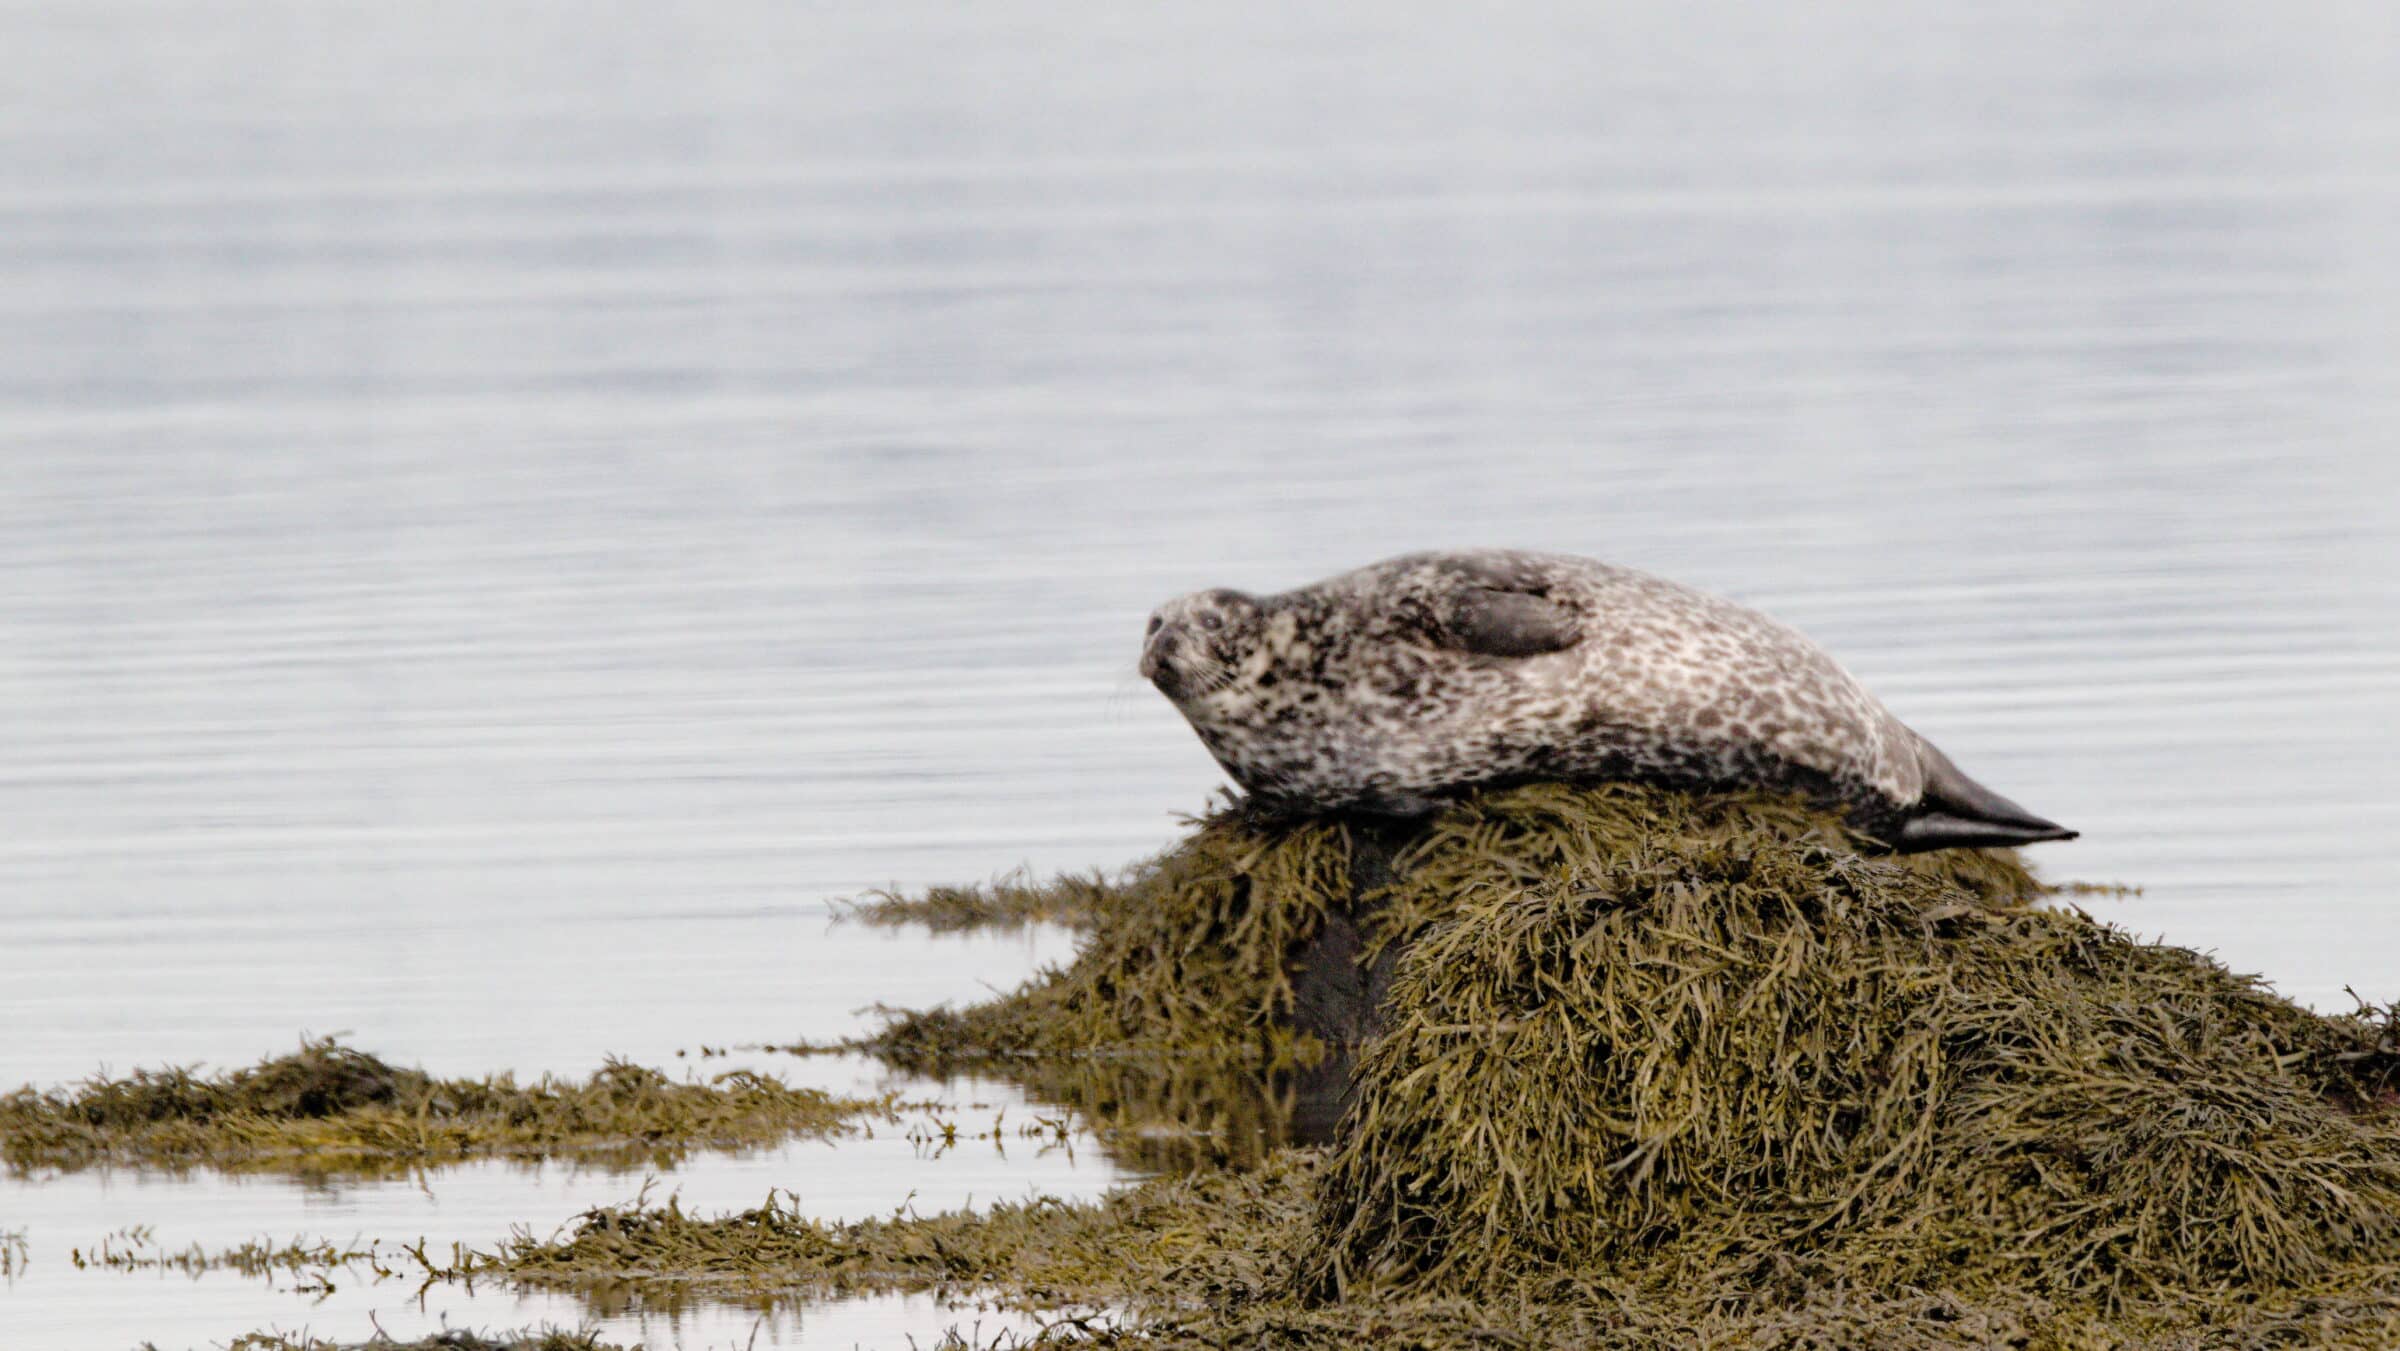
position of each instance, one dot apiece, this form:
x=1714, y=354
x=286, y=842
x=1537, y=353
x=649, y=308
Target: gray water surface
x=504, y=509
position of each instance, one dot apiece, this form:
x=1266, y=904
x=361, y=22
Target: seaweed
x=327, y=1105
x=1735, y=1053
x=1642, y=1069
x=1660, y=1069
x=1014, y=901
x=1172, y=1032
x=539, y=1339
x=1142, y=1248
x=1204, y=1261
x=310, y=1262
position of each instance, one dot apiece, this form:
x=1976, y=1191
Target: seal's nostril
x=1158, y=658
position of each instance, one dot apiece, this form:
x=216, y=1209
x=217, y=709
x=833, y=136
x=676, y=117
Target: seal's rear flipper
x=1961, y=813
x=1940, y=830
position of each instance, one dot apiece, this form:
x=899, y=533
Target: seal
x=1387, y=689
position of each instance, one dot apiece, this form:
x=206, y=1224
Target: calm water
x=505, y=509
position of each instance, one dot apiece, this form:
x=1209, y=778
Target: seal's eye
x=1210, y=621
x=1155, y=621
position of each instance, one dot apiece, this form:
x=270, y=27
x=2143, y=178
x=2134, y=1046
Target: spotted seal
x=1385, y=689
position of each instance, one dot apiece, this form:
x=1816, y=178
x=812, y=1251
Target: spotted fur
x=1384, y=689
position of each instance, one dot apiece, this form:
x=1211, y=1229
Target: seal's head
x=1195, y=643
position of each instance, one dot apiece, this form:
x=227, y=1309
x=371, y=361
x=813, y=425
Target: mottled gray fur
x=1383, y=689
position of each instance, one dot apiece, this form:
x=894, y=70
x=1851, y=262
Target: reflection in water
x=477, y=1205
x=504, y=513
x=1155, y=1114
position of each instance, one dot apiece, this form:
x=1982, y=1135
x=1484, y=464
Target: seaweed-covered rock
x=1740, y=951
x=1710, y=1043
x=1637, y=1070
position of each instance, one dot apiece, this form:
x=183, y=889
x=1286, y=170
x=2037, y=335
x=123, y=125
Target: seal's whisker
x=1122, y=696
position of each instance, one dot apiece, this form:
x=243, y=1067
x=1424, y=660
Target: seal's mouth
x=1179, y=668
x=1158, y=664
x=1165, y=677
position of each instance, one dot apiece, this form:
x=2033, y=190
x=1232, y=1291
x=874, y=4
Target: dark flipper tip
x=1958, y=812
x=1941, y=830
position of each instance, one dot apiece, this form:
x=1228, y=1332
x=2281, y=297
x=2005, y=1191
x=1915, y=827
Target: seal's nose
x=1158, y=654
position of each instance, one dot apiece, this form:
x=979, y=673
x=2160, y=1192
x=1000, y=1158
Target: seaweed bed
x=1646, y=1070
x=546, y=1339
x=329, y=1106
x=1653, y=1070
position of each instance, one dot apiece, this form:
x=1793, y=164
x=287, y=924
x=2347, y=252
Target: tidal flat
x=1645, y=1069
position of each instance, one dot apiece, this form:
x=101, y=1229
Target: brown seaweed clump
x=1172, y=1031
x=1187, y=958
x=1734, y=1055
x=329, y=1105
x=1198, y=952
x=1644, y=1070
x=1184, y=1028
x=1667, y=1070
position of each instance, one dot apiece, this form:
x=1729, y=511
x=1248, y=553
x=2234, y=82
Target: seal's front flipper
x=1493, y=622
x=1961, y=813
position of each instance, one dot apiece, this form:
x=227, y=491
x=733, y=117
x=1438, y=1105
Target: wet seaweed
x=1205, y=1261
x=1192, y=953
x=1666, y=1069
x=327, y=1105
x=1170, y=1033
x=311, y=1262
x=1654, y=1070
x=539, y=1339
x=1015, y=901
x=1150, y=1246
x=1187, y=957
x=1741, y=1055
